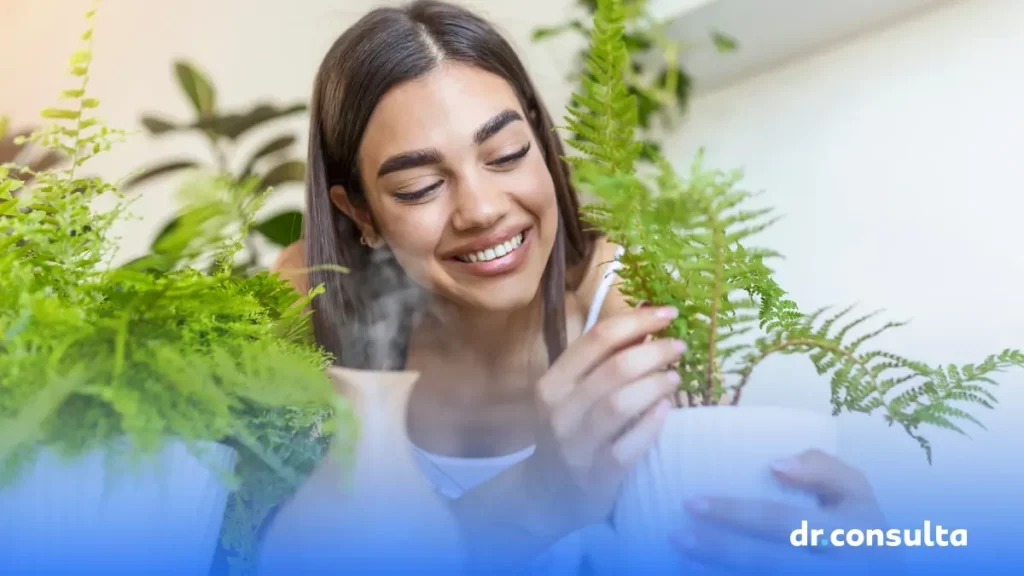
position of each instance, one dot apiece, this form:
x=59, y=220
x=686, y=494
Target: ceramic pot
x=711, y=451
x=103, y=513
x=370, y=509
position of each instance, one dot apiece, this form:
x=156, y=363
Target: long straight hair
x=364, y=317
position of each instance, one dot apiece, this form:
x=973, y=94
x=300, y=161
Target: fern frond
x=688, y=244
x=89, y=353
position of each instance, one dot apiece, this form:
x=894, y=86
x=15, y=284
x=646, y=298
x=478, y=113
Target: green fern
x=687, y=244
x=167, y=347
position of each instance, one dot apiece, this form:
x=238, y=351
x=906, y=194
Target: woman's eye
x=506, y=160
x=419, y=194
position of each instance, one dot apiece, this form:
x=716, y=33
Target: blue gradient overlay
x=988, y=506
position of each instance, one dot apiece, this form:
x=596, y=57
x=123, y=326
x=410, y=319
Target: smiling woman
x=455, y=176
x=436, y=177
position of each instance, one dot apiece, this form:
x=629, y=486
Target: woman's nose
x=478, y=205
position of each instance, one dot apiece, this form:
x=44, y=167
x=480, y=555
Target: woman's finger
x=627, y=450
x=764, y=519
x=599, y=343
x=610, y=380
x=638, y=361
x=737, y=551
x=612, y=415
x=825, y=475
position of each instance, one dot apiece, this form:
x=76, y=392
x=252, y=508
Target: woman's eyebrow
x=495, y=124
x=430, y=156
x=407, y=160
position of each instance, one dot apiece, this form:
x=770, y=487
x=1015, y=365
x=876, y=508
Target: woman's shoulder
x=290, y=265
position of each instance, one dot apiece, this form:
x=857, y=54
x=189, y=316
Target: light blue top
x=453, y=476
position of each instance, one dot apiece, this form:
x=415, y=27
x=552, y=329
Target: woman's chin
x=508, y=293
x=502, y=302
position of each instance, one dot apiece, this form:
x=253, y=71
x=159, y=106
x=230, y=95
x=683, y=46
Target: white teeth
x=495, y=251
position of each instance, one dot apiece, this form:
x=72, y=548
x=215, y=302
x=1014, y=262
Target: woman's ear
x=361, y=217
x=533, y=113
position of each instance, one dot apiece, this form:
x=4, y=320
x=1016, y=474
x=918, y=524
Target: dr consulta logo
x=805, y=536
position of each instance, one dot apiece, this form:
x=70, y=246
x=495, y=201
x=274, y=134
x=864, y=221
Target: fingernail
x=698, y=506
x=679, y=345
x=788, y=466
x=668, y=312
x=673, y=377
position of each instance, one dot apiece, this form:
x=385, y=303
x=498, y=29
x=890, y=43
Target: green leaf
x=723, y=42
x=290, y=171
x=81, y=56
x=197, y=87
x=232, y=126
x=156, y=125
x=282, y=229
x=276, y=145
x=23, y=426
x=156, y=171
x=545, y=32
x=61, y=114
x=167, y=231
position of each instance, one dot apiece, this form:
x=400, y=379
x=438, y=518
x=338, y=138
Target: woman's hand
x=602, y=403
x=746, y=534
x=601, y=406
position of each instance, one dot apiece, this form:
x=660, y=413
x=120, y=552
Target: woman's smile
x=494, y=255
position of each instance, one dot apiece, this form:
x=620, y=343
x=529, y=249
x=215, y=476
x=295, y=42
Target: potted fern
x=135, y=399
x=686, y=243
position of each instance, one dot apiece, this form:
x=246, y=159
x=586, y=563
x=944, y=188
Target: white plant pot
x=710, y=451
x=104, y=514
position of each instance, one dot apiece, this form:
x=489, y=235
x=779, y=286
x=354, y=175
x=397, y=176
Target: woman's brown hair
x=365, y=316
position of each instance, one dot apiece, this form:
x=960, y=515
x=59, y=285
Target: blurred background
x=888, y=133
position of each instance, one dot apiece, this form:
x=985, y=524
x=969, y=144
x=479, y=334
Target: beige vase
x=372, y=508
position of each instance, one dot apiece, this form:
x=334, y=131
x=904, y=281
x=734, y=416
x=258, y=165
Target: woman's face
x=458, y=188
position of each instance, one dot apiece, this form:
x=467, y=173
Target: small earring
x=375, y=244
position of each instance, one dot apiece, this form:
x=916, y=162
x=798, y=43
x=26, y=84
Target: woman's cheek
x=537, y=194
x=414, y=237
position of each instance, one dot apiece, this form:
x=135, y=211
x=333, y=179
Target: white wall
x=895, y=159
